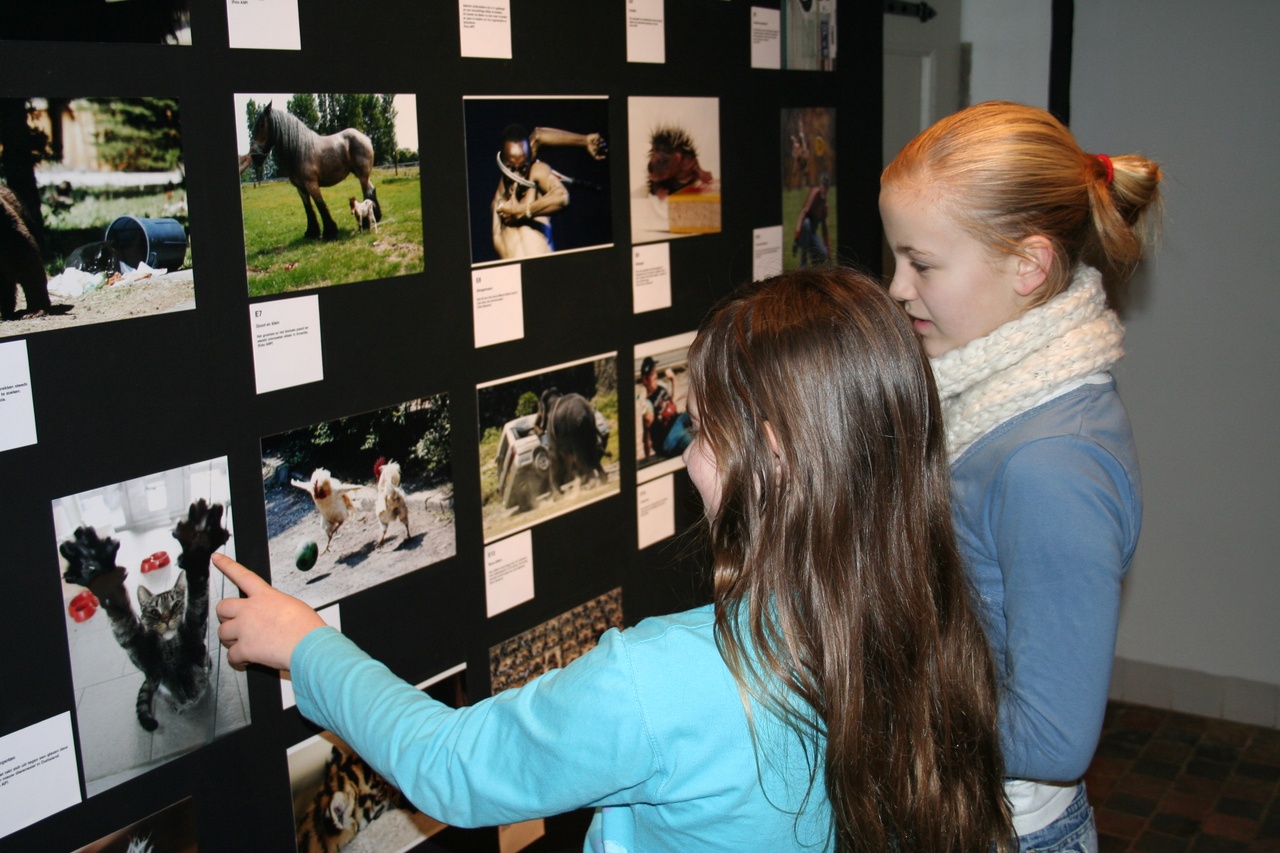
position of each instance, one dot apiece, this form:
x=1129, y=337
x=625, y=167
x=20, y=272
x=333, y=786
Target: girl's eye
x=919, y=267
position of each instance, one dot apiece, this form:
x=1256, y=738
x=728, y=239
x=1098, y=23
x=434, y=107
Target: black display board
x=115, y=401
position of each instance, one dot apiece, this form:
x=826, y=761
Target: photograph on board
x=342, y=803
x=809, y=186
x=93, y=212
x=537, y=176
x=151, y=681
x=173, y=829
x=357, y=501
x=674, y=167
x=110, y=21
x=548, y=443
x=553, y=644
x=809, y=35
x=661, y=377
x=329, y=189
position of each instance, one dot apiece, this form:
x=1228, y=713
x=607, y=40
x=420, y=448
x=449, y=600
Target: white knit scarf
x=1055, y=345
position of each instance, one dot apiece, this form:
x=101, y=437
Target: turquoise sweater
x=647, y=727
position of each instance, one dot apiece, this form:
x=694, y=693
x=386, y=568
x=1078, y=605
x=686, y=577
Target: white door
x=922, y=73
x=923, y=79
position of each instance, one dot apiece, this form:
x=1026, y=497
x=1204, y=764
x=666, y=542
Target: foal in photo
x=364, y=213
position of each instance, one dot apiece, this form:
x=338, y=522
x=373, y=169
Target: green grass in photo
x=279, y=258
x=86, y=221
x=792, y=201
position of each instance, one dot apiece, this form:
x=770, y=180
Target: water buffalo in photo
x=573, y=438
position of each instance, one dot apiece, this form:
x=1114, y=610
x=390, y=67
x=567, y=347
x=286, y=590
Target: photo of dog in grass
x=299, y=156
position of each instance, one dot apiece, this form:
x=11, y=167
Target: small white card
x=38, y=773
x=17, y=408
x=656, y=510
x=766, y=38
x=485, y=28
x=650, y=277
x=286, y=342
x=263, y=24
x=766, y=252
x=333, y=618
x=508, y=572
x=646, y=31
x=497, y=297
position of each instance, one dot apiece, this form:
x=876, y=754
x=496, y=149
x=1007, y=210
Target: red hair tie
x=1111, y=170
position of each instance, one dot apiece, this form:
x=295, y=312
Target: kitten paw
x=200, y=534
x=88, y=556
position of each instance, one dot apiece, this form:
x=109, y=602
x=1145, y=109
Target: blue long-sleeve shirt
x=648, y=726
x=1047, y=509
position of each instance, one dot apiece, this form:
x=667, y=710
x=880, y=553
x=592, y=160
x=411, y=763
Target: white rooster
x=332, y=497
x=391, y=504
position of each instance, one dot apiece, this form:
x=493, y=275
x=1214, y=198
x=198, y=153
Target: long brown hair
x=841, y=605
x=1008, y=171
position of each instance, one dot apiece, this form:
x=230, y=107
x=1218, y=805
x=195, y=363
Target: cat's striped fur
x=351, y=795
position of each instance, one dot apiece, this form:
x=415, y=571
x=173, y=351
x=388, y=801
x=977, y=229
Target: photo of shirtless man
x=535, y=190
x=530, y=191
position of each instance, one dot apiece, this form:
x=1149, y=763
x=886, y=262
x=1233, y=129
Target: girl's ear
x=1034, y=262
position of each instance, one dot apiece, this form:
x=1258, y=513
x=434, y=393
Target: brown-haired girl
x=838, y=694
x=1008, y=238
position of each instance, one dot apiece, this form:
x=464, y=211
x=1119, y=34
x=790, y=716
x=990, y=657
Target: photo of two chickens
x=357, y=501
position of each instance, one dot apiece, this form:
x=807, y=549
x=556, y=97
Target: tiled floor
x=1164, y=782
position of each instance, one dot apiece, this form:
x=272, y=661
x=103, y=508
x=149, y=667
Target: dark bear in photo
x=20, y=264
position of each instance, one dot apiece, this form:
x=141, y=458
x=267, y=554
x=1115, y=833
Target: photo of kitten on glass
x=149, y=675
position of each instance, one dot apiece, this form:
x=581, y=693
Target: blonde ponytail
x=1007, y=172
x=1122, y=217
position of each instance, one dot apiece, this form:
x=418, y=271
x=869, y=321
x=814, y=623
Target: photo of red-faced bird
x=366, y=475
x=333, y=500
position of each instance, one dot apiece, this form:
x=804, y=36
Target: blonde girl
x=1007, y=239
x=837, y=695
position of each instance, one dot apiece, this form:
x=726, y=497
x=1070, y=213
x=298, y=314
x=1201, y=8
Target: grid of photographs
x=95, y=227
x=94, y=224
x=554, y=644
x=357, y=501
x=152, y=682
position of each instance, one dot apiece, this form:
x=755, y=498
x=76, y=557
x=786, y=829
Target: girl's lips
x=921, y=326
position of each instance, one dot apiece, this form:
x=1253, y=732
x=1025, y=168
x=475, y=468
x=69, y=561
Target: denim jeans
x=1073, y=831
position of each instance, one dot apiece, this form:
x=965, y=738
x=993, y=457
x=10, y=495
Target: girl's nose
x=900, y=289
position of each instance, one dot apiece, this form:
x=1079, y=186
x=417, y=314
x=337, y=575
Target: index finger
x=247, y=582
